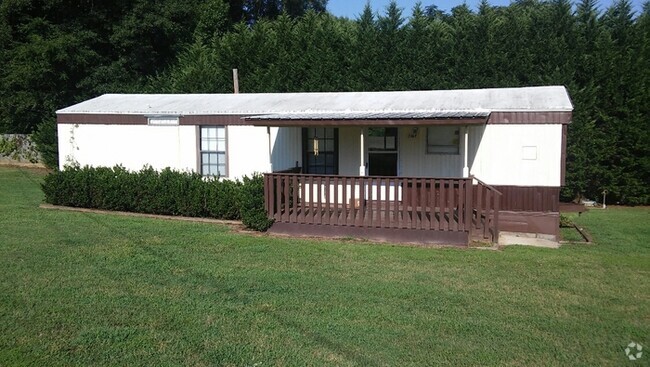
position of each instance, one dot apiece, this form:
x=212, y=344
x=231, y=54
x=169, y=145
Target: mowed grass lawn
x=90, y=289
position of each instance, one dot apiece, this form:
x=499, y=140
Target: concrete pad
x=525, y=239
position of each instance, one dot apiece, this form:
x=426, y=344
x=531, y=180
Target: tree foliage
x=59, y=52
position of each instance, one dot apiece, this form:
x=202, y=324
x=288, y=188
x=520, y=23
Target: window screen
x=443, y=140
x=213, y=151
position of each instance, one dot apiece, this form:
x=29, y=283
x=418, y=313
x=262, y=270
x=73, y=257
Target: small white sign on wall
x=163, y=120
x=529, y=153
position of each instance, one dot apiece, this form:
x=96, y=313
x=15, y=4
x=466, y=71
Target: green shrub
x=45, y=138
x=167, y=192
x=221, y=199
x=251, y=203
x=565, y=221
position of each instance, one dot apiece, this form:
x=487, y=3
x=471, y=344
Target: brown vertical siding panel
x=533, y=198
x=422, y=204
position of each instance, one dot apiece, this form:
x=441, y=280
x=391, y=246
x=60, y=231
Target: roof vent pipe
x=235, y=81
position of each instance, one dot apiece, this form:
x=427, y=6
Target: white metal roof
x=373, y=115
x=550, y=98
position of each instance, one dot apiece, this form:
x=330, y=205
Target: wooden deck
x=433, y=210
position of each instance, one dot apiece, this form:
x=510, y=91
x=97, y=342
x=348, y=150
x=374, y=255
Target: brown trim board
x=101, y=119
x=364, y=122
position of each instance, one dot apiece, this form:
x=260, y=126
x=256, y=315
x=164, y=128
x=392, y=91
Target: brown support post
x=345, y=201
x=453, y=226
x=396, y=221
x=469, y=206
x=414, y=201
x=271, y=196
x=423, y=205
x=497, y=206
x=361, y=215
x=353, y=203
x=443, y=205
x=405, y=203
x=378, y=202
x=278, y=198
x=267, y=196
x=287, y=202
x=461, y=205
x=479, y=204
x=319, y=211
x=327, y=210
x=335, y=202
x=303, y=196
x=488, y=213
x=309, y=214
x=294, y=200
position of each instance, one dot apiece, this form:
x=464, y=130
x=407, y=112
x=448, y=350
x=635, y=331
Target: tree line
x=60, y=52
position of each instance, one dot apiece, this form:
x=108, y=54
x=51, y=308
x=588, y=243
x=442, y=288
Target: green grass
x=91, y=289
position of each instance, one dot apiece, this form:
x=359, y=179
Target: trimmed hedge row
x=166, y=192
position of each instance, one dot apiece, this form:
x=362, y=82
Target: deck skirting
x=394, y=235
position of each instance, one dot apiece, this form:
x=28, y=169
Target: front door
x=320, y=150
x=382, y=151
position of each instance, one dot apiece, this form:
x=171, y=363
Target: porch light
x=315, y=145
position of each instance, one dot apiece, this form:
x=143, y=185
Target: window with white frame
x=443, y=140
x=213, y=151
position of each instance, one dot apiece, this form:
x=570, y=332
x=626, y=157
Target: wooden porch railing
x=383, y=202
x=487, y=203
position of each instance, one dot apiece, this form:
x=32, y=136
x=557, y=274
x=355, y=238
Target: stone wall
x=18, y=149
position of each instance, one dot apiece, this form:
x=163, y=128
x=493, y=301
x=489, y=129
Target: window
x=382, y=151
x=213, y=151
x=382, y=139
x=443, y=140
x=163, y=120
x=326, y=161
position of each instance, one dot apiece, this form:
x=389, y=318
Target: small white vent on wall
x=529, y=153
x=163, y=120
